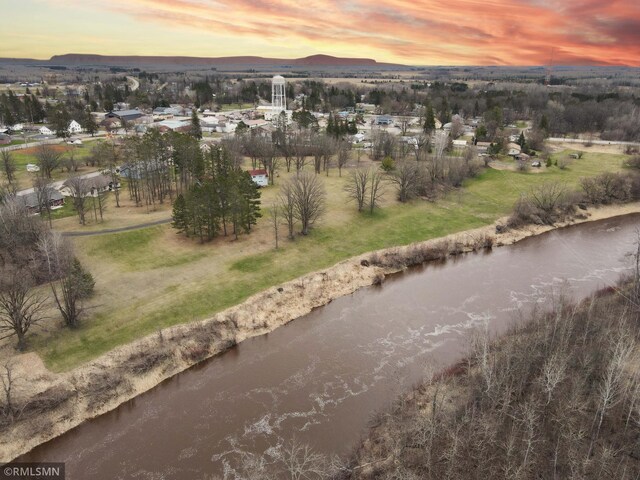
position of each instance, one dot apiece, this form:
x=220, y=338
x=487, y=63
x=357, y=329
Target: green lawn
x=22, y=158
x=207, y=279
x=138, y=250
x=235, y=106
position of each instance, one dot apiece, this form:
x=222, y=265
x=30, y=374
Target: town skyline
x=463, y=32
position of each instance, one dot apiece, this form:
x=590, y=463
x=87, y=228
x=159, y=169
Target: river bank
x=60, y=402
x=536, y=384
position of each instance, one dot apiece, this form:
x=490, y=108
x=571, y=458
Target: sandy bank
x=55, y=403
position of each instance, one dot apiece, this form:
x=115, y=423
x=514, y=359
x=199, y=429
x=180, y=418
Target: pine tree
x=250, y=194
x=544, y=123
x=89, y=124
x=195, y=130
x=180, y=215
x=429, y=120
x=331, y=128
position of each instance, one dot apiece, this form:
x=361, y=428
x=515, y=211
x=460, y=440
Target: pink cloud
x=513, y=32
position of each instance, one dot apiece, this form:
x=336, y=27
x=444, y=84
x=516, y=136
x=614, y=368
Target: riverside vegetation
x=556, y=397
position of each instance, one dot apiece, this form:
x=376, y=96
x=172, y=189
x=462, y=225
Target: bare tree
x=300, y=462
x=553, y=373
x=404, y=122
x=287, y=207
x=406, y=179
x=8, y=165
x=308, y=200
x=548, y=196
x=376, y=189
x=275, y=220
x=8, y=409
x=20, y=306
x=70, y=162
x=344, y=155
x=357, y=187
x=457, y=126
x=44, y=190
x=69, y=282
x=269, y=159
x=48, y=159
x=80, y=189
x=301, y=150
x=422, y=145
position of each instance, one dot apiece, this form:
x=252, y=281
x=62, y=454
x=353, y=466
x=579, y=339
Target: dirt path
x=117, y=230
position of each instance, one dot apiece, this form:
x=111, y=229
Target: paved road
x=595, y=142
x=117, y=230
x=135, y=84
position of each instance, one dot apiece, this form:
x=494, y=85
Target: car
x=536, y=164
x=32, y=167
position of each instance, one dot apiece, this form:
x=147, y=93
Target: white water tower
x=278, y=98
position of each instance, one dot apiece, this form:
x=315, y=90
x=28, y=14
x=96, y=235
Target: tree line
x=33, y=256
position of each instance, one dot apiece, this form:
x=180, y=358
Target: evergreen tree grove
x=225, y=200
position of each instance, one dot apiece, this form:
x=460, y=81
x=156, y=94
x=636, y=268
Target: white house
x=226, y=127
x=358, y=137
x=74, y=127
x=45, y=131
x=259, y=177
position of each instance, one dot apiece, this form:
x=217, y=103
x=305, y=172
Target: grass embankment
x=557, y=397
x=150, y=279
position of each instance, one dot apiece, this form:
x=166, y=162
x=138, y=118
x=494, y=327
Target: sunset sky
x=416, y=32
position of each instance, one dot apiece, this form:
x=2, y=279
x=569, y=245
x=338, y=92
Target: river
x=321, y=377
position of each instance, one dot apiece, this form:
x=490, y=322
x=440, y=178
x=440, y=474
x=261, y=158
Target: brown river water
x=321, y=377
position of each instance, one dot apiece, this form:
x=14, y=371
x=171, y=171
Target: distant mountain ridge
x=78, y=59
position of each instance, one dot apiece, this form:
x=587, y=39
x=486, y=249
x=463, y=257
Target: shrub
x=633, y=162
x=388, y=164
x=606, y=188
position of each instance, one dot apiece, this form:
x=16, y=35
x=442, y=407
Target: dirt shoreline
x=56, y=403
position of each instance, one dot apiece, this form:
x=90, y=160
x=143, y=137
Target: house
x=74, y=127
x=5, y=139
x=93, y=186
x=259, y=177
x=483, y=147
x=226, y=127
x=384, y=120
x=33, y=205
x=255, y=123
x=168, y=111
x=358, y=137
x=111, y=123
x=174, y=125
x=513, y=149
x=363, y=108
x=45, y=131
x=126, y=115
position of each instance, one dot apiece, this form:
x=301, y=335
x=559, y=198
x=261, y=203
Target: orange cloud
x=478, y=32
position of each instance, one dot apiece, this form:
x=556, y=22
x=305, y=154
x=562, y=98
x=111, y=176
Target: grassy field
x=235, y=106
x=28, y=155
x=152, y=278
